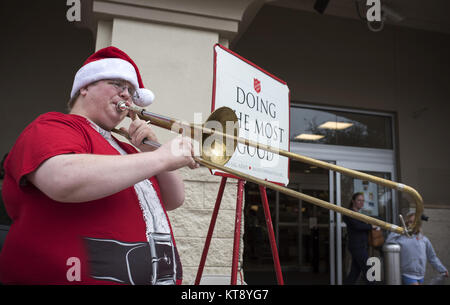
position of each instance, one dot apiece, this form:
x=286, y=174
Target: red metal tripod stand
x=237, y=232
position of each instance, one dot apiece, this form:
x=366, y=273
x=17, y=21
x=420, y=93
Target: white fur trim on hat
x=144, y=97
x=107, y=68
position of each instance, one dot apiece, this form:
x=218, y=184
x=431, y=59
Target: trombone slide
x=168, y=123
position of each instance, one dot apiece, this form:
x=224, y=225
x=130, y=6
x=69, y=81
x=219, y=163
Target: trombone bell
x=218, y=148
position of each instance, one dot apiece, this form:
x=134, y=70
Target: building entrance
x=301, y=231
x=312, y=241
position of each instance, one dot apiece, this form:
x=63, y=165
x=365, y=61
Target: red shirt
x=46, y=235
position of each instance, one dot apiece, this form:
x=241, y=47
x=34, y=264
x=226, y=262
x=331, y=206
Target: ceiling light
x=310, y=137
x=335, y=125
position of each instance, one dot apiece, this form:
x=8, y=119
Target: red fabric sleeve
x=49, y=135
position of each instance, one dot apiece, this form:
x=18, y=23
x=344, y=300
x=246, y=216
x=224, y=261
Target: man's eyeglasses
x=122, y=85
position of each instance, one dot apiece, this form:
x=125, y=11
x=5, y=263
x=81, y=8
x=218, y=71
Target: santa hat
x=112, y=63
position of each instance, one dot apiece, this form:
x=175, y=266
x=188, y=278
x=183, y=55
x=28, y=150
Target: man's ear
x=84, y=90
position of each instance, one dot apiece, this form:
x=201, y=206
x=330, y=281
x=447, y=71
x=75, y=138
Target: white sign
x=261, y=103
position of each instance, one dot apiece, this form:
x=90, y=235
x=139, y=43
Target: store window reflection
x=377, y=198
x=340, y=128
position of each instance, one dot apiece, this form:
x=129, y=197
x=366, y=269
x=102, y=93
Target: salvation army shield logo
x=257, y=85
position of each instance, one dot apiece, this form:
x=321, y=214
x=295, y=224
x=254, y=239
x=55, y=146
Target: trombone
x=215, y=157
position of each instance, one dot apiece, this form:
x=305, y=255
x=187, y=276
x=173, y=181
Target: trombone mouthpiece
x=121, y=106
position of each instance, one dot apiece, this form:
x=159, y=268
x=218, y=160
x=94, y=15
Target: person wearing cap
x=86, y=207
x=415, y=251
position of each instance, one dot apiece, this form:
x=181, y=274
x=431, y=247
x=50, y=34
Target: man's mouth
x=120, y=106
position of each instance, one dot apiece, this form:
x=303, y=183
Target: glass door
x=357, y=139
x=380, y=202
x=303, y=229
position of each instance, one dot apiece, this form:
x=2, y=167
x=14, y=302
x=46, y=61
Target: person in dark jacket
x=358, y=235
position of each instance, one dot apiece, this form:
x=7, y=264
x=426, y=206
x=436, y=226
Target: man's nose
x=125, y=93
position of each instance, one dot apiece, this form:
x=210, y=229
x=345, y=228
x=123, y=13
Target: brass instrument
x=214, y=157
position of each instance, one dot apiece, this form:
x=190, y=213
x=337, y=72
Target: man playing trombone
x=87, y=208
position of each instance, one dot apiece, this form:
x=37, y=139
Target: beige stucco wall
x=191, y=223
x=175, y=63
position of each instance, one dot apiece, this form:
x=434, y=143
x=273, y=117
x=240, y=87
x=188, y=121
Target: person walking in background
x=358, y=239
x=415, y=251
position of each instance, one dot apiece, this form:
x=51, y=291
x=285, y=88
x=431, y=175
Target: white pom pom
x=144, y=97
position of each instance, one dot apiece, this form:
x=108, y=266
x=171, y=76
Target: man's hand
x=178, y=152
x=139, y=130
